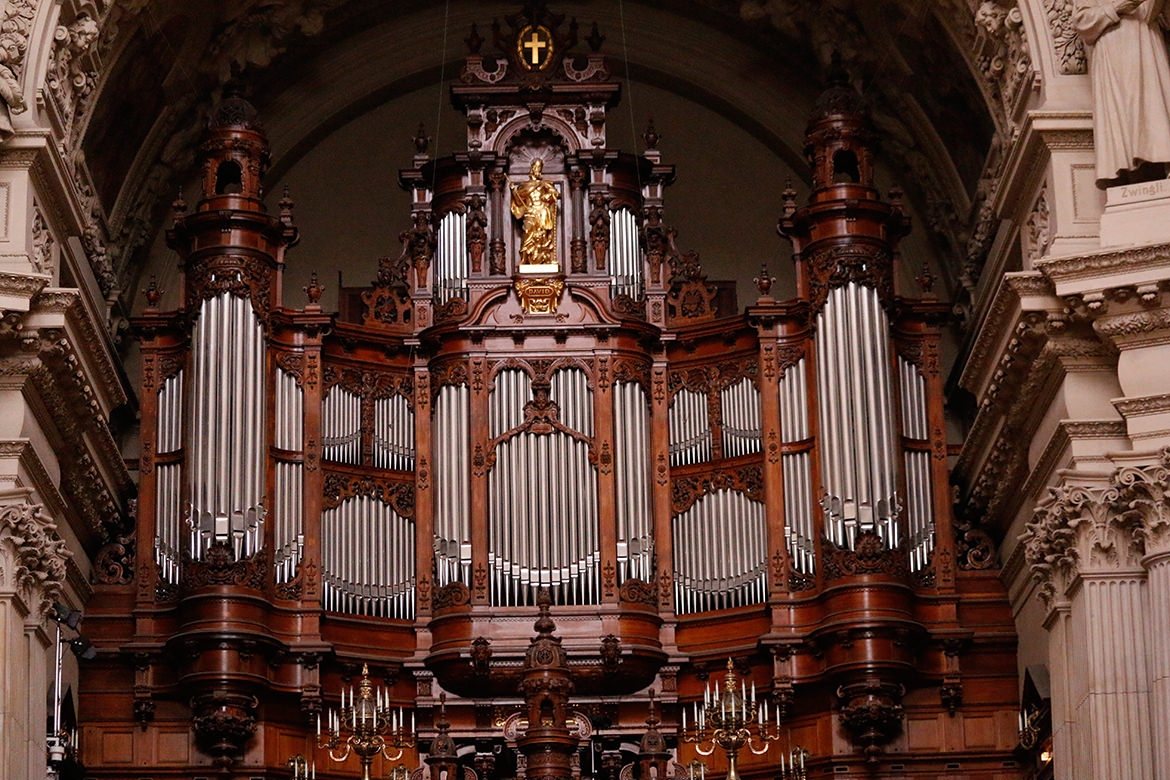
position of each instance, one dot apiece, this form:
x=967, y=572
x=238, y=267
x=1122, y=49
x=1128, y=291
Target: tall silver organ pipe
x=569, y=390
x=542, y=497
x=919, y=499
x=856, y=412
x=393, y=433
x=512, y=389
x=341, y=426
x=452, y=512
x=690, y=430
x=169, y=438
x=288, y=517
x=226, y=466
x=720, y=553
x=631, y=444
x=799, y=513
x=741, y=418
x=367, y=559
x=624, y=257
x=452, y=263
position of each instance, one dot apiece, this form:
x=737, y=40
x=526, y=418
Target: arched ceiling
x=316, y=68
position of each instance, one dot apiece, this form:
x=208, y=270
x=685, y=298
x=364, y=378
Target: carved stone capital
x=32, y=555
x=1143, y=497
x=1077, y=530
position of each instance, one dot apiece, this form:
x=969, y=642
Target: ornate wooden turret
x=205, y=486
x=547, y=745
x=876, y=508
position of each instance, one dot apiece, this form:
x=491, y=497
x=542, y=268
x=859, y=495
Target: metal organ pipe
x=367, y=552
x=452, y=263
x=690, y=431
x=393, y=433
x=855, y=407
x=624, y=255
x=720, y=553
x=542, y=496
x=341, y=426
x=800, y=530
x=287, y=509
x=169, y=439
x=226, y=470
x=452, y=485
x=741, y=418
x=635, y=535
x=919, y=503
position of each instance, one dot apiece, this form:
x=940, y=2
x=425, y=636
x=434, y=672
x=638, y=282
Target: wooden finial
x=313, y=289
x=153, y=294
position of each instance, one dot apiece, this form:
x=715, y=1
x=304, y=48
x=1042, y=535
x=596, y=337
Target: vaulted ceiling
x=729, y=84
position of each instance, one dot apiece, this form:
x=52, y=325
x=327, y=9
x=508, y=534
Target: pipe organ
x=677, y=476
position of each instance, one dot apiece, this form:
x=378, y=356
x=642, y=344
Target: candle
x=684, y=714
x=318, y=724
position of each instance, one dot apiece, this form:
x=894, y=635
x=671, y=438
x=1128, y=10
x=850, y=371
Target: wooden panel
x=173, y=747
x=979, y=731
x=117, y=747
x=923, y=733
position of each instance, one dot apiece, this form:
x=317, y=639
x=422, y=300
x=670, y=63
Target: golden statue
x=535, y=202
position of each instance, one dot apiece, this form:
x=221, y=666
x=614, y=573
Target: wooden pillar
x=606, y=482
x=480, y=434
x=660, y=470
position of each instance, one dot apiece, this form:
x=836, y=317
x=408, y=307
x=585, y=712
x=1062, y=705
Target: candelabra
x=301, y=768
x=792, y=764
x=731, y=718
x=366, y=726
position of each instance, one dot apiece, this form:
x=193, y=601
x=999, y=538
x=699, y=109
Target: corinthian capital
x=1143, y=496
x=1077, y=530
x=32, y=555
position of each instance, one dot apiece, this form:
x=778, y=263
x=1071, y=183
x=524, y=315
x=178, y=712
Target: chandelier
x=366, y=725
x=731, y=718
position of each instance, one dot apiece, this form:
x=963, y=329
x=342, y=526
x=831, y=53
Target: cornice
x=1005, y=315
x=1143, y=405
x=22, y=285
x=1138, y=265
x=1058, y=443
x=87, y=342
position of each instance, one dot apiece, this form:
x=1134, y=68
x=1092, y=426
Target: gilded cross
x=534, y=45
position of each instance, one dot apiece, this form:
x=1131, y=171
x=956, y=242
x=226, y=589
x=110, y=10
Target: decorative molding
x=1066, y=42
x=1110, y=261
x=1140, y=406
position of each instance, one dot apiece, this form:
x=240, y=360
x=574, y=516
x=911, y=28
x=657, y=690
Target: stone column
x=1088, y=555
x=32, y=571
x=1143, y=493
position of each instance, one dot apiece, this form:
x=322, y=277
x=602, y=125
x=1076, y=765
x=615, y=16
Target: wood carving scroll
x=368, y=384
x=218, y=566
x=449, y=372
x=244, y=277
x=685, y=491
x=869, y=555
x=341, y=486
x=715, y=378
x=835, y=266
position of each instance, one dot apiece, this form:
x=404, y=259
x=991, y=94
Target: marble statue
x=1131, y=87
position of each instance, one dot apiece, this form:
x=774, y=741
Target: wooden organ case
x=685, y=483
